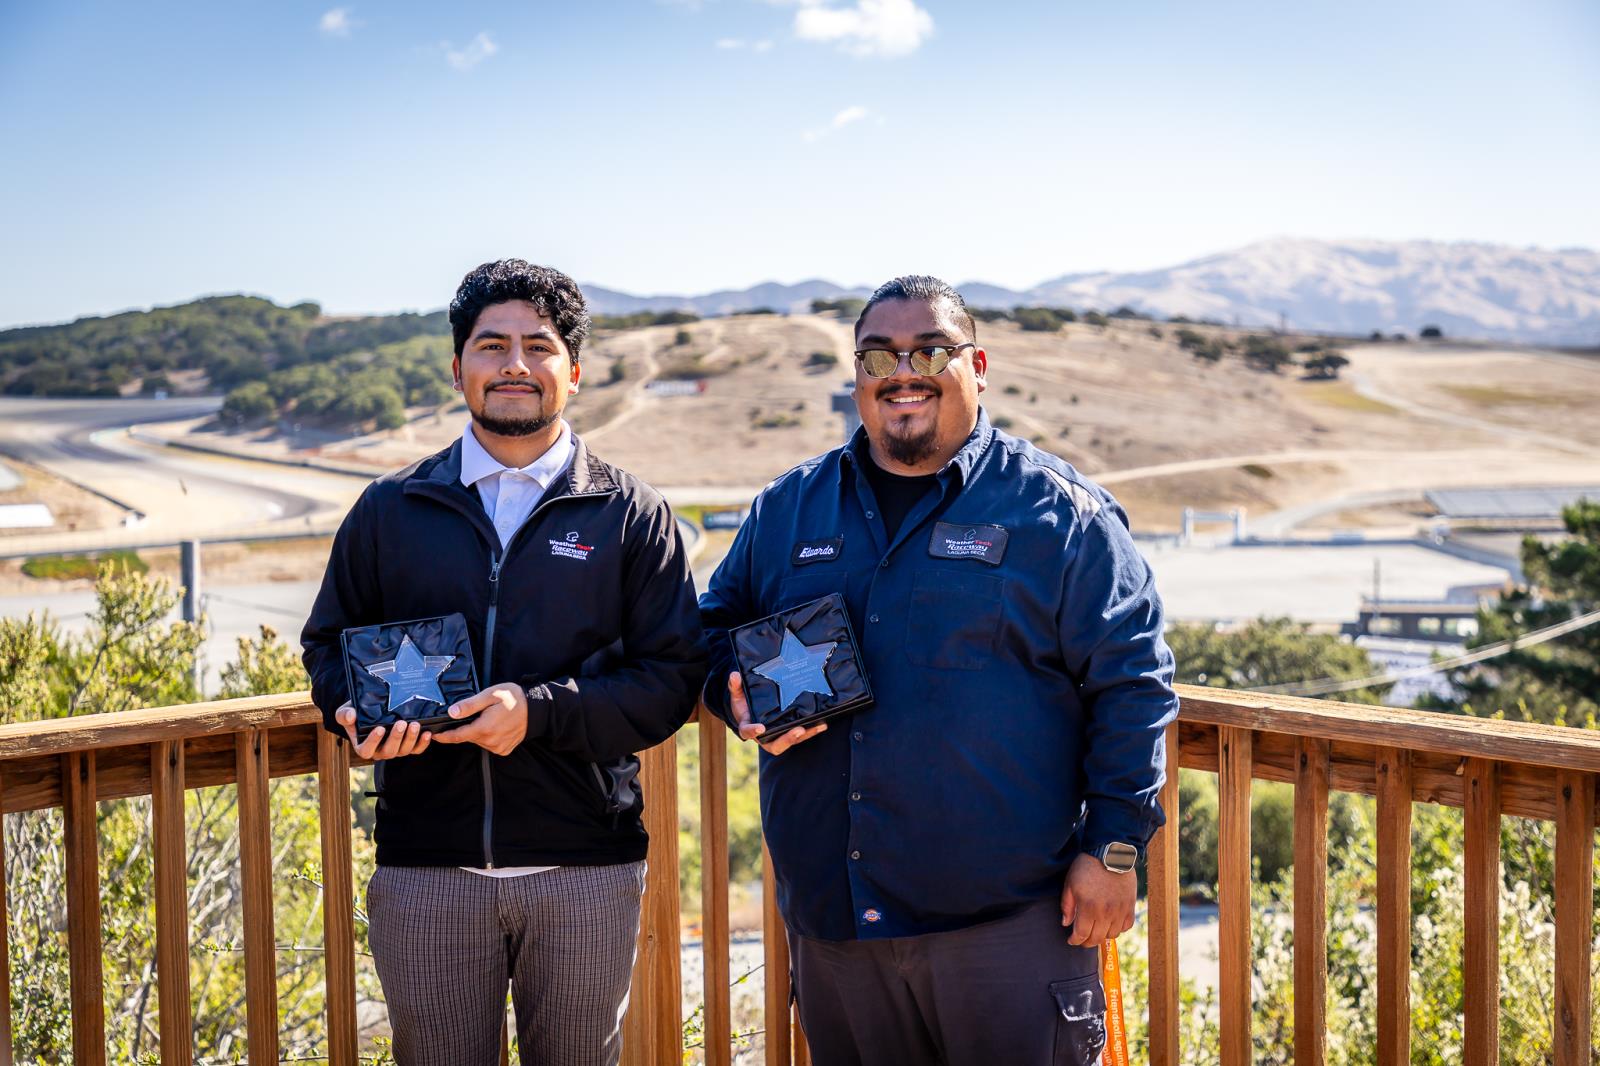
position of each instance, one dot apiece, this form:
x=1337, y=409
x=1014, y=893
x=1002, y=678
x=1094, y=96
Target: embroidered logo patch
x=951, y=540
x=871, y=914
x=817, y=551
x=569, y=547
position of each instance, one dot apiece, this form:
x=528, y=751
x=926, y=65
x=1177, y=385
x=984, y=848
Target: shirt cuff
x=538, y=710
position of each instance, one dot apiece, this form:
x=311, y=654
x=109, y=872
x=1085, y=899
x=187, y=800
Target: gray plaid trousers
x=447, y=942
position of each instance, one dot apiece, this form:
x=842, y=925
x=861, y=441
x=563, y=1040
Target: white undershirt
x=509, y=495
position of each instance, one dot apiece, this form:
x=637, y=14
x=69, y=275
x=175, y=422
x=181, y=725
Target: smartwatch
x=1117, y=857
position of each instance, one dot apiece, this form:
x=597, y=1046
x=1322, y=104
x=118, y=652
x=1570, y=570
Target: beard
x=522, y=425
x=910, y=449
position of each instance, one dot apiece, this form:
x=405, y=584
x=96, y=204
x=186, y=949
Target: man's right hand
x=408, y=738
x=749, y=730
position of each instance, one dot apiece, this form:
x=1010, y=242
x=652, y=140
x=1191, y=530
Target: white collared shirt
x=509, y=495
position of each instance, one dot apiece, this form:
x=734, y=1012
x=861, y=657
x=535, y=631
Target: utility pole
x=189, y=560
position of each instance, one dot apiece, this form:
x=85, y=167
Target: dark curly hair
x=555, y=295
x=925, y=288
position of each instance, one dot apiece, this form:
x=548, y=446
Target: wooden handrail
x=1488, y=768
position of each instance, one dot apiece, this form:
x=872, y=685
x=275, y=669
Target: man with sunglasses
x=949, y=859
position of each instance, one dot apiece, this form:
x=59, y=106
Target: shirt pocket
x=954, y=619
x=803, y=588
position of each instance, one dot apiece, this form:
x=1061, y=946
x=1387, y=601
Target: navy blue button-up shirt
x=1012, y=635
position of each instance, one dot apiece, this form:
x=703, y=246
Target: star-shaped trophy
x=798, y=669
x=408, y=672
x=801, y=666
x=412, y=675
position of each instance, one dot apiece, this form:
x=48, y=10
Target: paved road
x=167, y=495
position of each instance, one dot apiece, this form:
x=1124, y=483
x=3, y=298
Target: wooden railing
x=1487, y=768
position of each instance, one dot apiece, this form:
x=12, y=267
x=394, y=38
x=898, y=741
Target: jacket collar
x=586, y=475
x=959, y=467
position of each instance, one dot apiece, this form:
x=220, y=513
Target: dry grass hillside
x=1123, y=402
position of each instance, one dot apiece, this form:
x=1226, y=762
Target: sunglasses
x=929, y=361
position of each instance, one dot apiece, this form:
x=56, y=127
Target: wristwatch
x=1117, y=857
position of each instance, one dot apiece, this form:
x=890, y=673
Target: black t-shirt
x=896, y=493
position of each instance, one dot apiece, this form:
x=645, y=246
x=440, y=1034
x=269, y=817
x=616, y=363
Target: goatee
x=913, y=449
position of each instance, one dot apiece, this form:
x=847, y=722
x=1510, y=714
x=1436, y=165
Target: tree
x=248, y=403
x=1037, y=319
x=1265, y=353
x=1557, y=681
x=1431, y=333
x=1326, y=365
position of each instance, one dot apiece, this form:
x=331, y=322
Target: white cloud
x=471, y=54
x=730, y=43
x=761, y=46
x=734, y=43
x=869, y=28
x=853, y=113
x=336, y=22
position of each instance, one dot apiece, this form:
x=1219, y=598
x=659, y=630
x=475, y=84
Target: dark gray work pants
x=1010, y=992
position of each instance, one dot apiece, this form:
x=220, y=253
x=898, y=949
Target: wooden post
x=1234, y=759
x=1311, y=902
x=652, y=1030
x=775, y=952
x=1481, y=903
x=338, y=897
x=172, y=901
x=83, y=909
x=1393, y=767
x=1162, y=903
x=6, y=1052
x=255, y=875
x=714, y=934
x=1575, y=795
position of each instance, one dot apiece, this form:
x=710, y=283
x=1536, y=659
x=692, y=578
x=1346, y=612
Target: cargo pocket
x=1080, y=1020
x=954, y=619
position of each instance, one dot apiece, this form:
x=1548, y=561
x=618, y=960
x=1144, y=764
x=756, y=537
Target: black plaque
x=409, y=672
x=801, y=666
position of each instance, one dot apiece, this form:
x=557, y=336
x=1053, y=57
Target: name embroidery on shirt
x=952, y=540
x=569, y=548
x=817, y=551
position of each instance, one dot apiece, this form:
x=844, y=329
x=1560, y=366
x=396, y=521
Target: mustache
x=513, y=385
x=895, y=388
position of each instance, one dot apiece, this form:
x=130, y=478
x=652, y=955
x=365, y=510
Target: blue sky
x=367, y=155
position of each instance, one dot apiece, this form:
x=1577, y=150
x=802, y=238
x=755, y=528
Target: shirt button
x=869, y=514
x=873, y=618
x=855, y=855
x=857, y=735
x=884, y=565
x=855, y=795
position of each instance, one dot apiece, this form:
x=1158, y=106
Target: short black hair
x=926, y=288
x=555, y=295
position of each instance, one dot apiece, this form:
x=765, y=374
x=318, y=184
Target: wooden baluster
x=1393, y=767
x=338, y=897
x=1234, y=758
x=653, y=1028
x=83, y=908
x=775, y=950
x=5, y=947
x=172, y=901
x=1311, y=901
x=1575, y=796
x=255, y=876
x=1162, y=903
x=714, y=934
x=1481, y=903
x=802, y=1050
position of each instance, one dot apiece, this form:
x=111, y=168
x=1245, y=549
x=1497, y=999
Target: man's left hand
x=501, y=722
x=1097, y=903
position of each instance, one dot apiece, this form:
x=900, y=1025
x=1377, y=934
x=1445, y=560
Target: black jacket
x=591, y=609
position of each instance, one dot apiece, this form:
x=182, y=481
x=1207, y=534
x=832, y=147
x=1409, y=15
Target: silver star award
x=412, y=675
x=798, y=669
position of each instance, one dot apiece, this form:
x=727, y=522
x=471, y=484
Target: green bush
x=81, y=567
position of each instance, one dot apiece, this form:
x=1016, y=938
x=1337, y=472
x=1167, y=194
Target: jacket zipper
x=495, y=561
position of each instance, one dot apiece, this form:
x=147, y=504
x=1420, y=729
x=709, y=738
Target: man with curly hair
x=510, y=848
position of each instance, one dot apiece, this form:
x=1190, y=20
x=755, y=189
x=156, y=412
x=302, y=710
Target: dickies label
x=951, y=540
x=817, y=551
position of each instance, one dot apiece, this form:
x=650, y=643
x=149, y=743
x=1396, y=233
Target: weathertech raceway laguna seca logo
x=986, y=543
x=570, y=548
